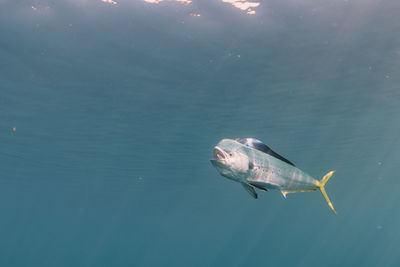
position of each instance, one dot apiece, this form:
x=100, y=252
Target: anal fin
x=285, y=192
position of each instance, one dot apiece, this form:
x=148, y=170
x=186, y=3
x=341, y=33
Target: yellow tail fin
x=321, y=186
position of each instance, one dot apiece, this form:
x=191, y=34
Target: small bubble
x=379, y=163
x=379, y=227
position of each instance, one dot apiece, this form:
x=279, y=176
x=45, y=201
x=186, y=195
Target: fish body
x=256, y=166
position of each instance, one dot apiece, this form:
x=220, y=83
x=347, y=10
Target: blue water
x=109, y=113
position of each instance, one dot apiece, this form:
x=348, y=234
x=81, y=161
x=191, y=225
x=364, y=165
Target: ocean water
x=109, y=111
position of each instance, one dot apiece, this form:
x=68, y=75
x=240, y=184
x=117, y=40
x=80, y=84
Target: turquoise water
x=109, y=113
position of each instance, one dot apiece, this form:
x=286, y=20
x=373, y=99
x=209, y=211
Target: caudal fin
x=321, y=186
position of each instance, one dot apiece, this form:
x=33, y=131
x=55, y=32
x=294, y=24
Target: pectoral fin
x=258, y=186
x=250, y=190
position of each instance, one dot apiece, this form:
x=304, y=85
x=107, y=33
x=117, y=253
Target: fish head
x=230, y=160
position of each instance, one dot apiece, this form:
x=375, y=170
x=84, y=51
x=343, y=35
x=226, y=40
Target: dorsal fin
x=264, y=148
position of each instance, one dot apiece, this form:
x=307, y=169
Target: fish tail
x=321, y=185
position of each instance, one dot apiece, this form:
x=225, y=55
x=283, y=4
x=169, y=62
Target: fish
x=254, y=165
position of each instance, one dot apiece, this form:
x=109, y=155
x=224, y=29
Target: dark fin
x=250, y=190
x=264, y=148
x=259, y=187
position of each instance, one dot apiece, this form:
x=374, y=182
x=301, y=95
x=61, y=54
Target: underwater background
x=109, y=111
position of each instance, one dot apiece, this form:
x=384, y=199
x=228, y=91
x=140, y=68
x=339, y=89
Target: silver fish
x=255, y=166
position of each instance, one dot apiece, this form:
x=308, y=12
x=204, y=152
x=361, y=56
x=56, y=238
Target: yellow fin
x=285, y=192
x=321, y=185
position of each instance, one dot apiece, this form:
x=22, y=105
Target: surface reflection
x=244, y=5
x=109, y=2
x=186, y=2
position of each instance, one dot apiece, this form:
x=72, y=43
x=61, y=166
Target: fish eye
x=230, y=154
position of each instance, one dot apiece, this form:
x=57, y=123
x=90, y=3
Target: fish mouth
x=219, y=154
